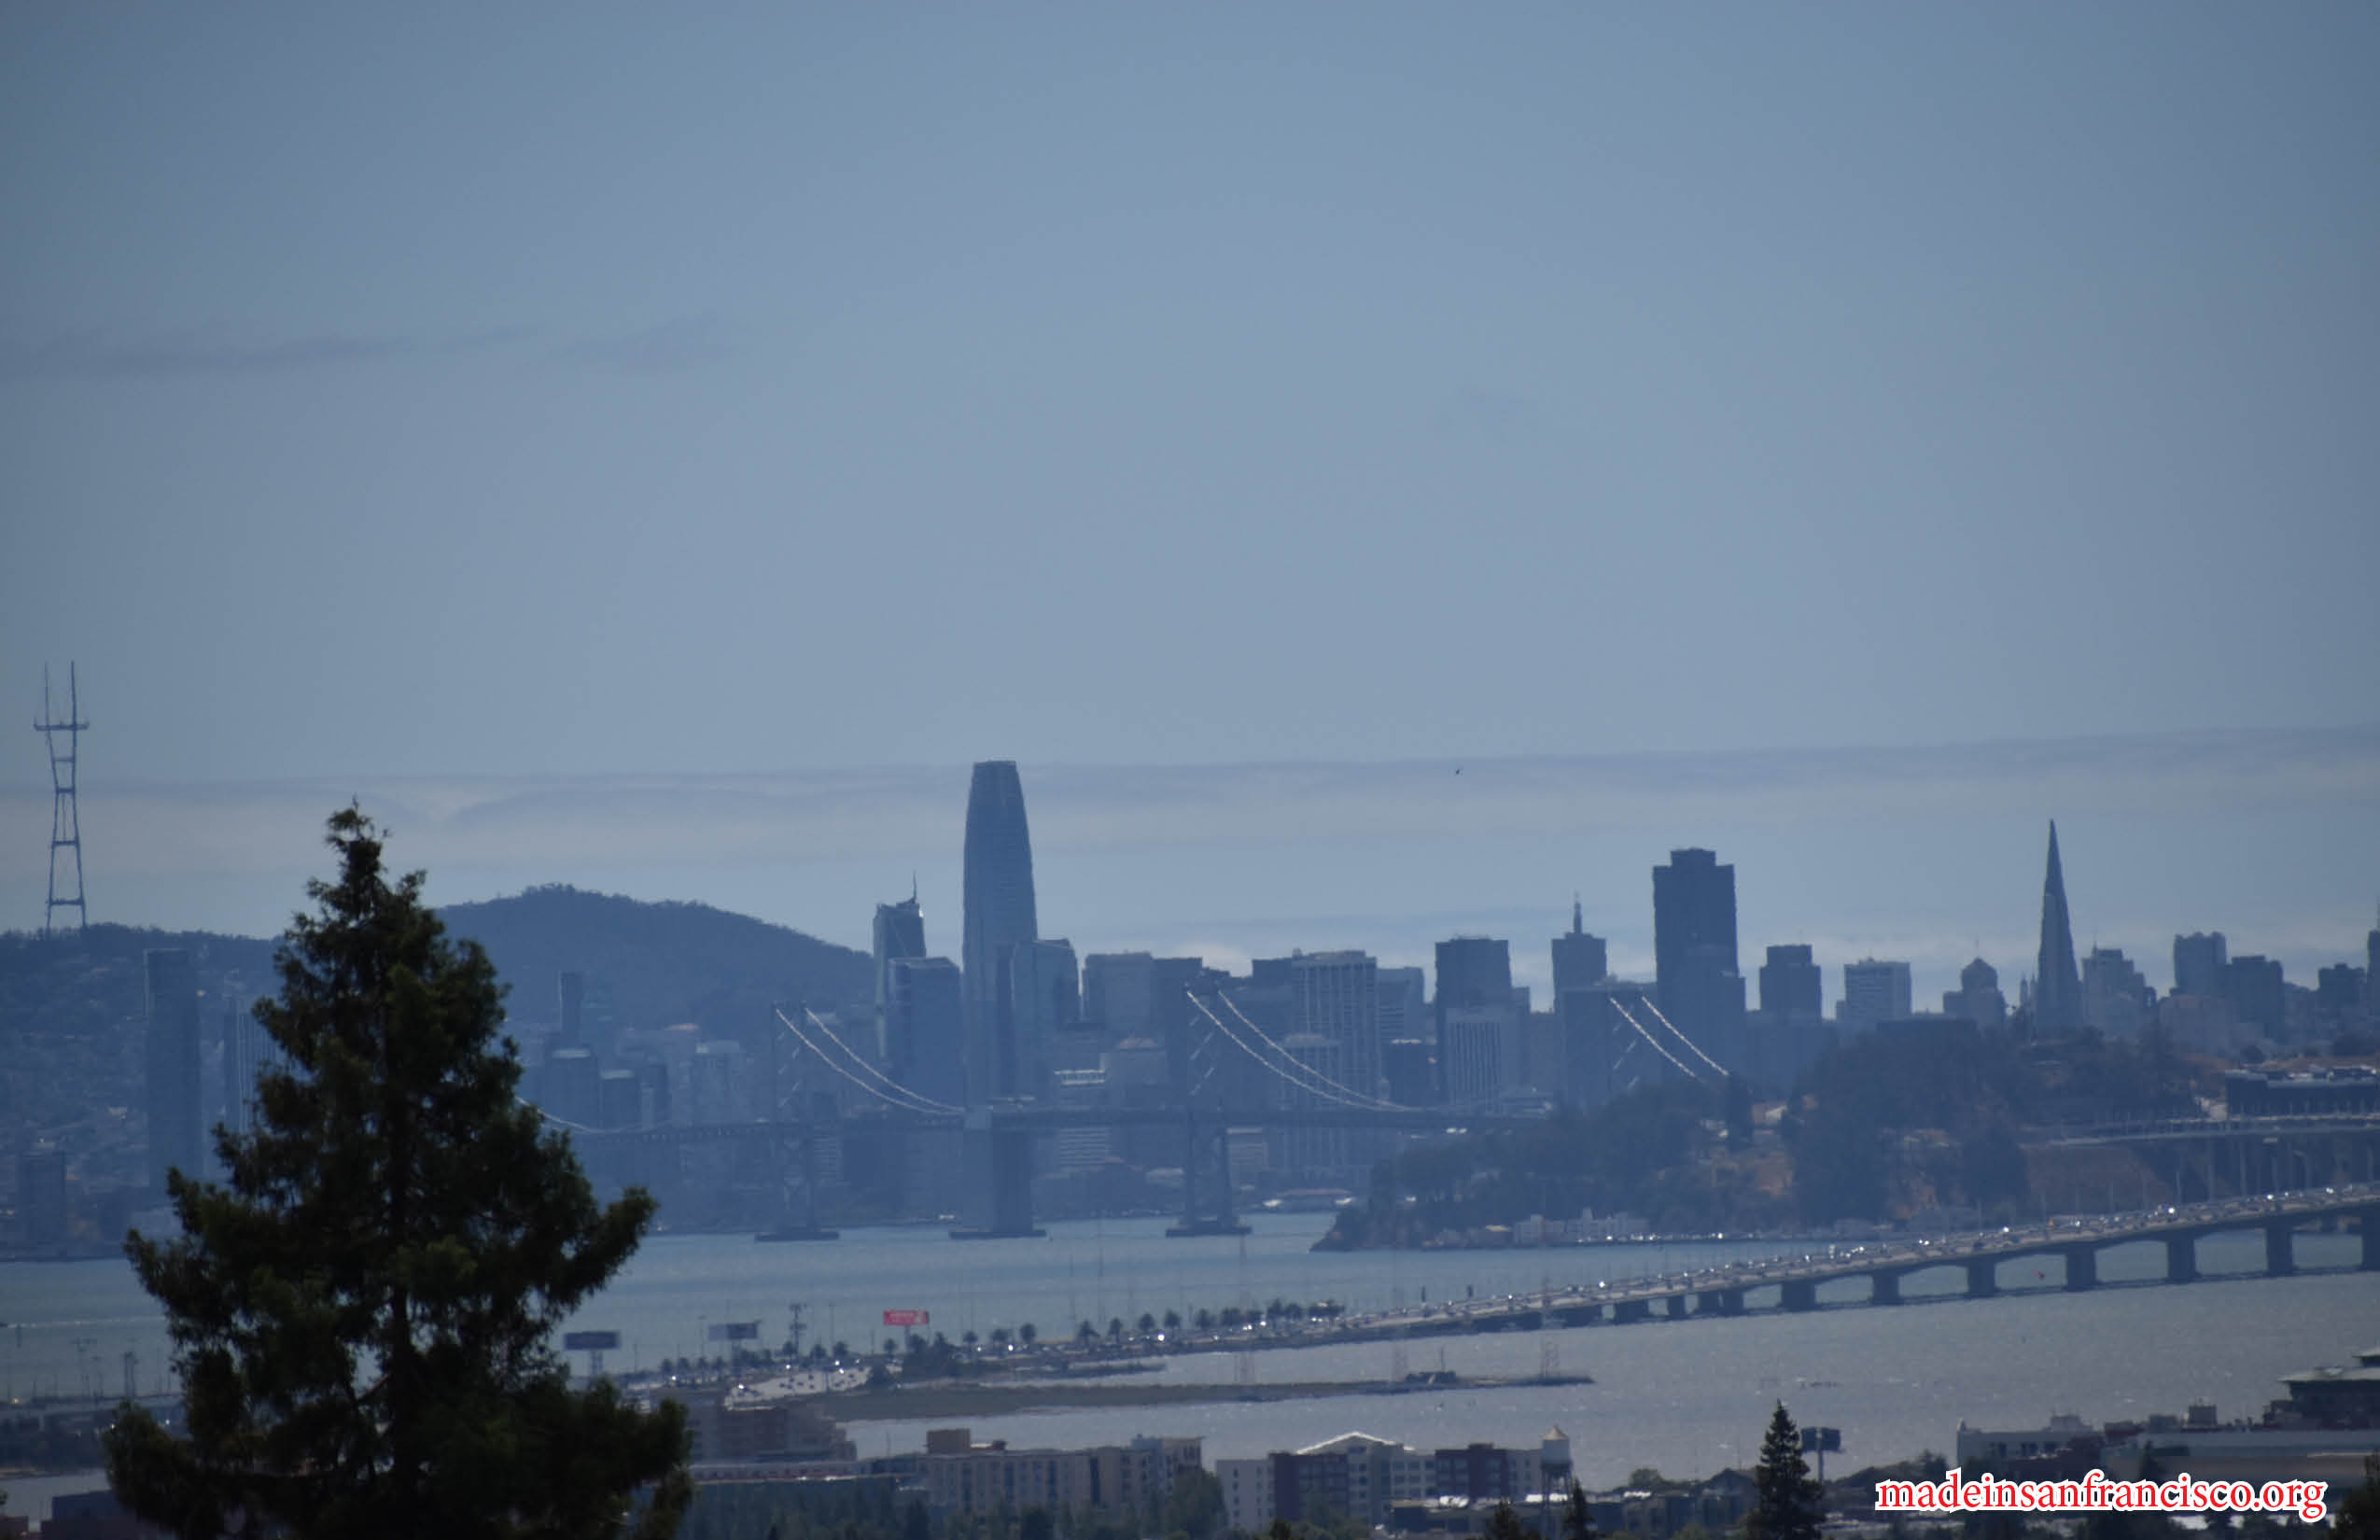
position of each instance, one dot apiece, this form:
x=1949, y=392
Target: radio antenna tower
x=65, y=820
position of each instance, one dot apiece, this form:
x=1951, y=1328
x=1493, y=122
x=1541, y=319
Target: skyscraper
x=2057, y=984
x=1694, y=962
x=2200, y=959
x=1045, y=999
x=1474, y=1013
x=1792, y=989
x=899, y=932
x=1336, y=996
x=172, y=1057
x=1873, y=992
x=998, y=898
x=1579, y=959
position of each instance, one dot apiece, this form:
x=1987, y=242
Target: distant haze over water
x=1930, y=854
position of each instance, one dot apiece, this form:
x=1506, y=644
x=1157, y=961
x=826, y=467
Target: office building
x=924, y=1018
x=171, y=1056
x=1474, y=979
x=963, y=1476
x=2057, y=982
x=573, y=1090
x=1045, y=999
x=1978, y=997
x=2254, y=986
x=1694, y=955
x=2200, y=960
x=2116, y=999
x=1404, y=1005
x=1336, y=996
x=1580, y=959
x=899, y=933
x=998, y=884
x=1873, y=992
x=1792, y=986
x=248, y=1051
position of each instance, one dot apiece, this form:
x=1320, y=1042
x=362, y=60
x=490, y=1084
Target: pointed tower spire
x=1577, y=916
x=2057, y=992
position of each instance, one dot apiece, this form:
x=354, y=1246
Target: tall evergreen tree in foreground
x=360, y=1315
x=1792, y=1502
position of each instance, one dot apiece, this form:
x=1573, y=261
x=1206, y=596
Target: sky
x=529, y=408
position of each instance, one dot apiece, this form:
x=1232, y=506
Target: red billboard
x=907, y=1318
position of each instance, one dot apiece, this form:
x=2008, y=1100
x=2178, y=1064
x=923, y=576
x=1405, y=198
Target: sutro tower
x=66, y=822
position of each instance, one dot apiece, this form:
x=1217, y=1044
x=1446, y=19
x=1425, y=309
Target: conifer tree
x=1792, y=1504
x=361, y=1312
x=1578, y=1519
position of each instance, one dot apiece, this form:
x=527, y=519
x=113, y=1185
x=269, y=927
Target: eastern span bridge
x=1792, y=1283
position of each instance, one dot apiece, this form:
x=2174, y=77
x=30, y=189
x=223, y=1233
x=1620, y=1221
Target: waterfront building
x=963, y=1476
x=1694, y=955
x=1872, y=992
x=998, y=883
x=171, y=1056
x=2057, y=983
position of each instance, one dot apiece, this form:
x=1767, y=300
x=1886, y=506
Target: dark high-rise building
x=2057, y=981
x=1579, y=959
x=1694, y=963
x=1792, y=986
x=925, y=1012
x=999, y=896
x=571, y=986
x=900, y=932
x=172, y=1064
x=2200, y=960
x=2255, y=987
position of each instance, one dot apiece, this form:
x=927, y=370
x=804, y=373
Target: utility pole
x=65, y=818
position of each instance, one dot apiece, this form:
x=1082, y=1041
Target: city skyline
x=1917, y=855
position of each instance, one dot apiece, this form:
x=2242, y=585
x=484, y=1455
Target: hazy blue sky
x=428, y=392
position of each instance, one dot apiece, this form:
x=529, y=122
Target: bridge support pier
x=1800, y=1294
x=1719, y=1302
x=1884, y=1288
x=2370, y=1221
x=998, y=1177
x=1674, y=1307
x=1579, y=1315
x=1625, y=1310
x=2181, y=1258
x=1206, y=1179
x=1984, y=1279
x=2083, y=1269
x=2280, y=1249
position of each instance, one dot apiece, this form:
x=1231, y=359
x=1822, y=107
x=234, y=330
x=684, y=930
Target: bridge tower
x=65, y=817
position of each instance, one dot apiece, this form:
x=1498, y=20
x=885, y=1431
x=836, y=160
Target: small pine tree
x=1792, y=1504
x=360, y=1314
x=1577, y=1518
x=1505, y=1524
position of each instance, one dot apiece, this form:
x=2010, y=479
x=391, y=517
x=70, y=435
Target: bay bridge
x=1231, y=1075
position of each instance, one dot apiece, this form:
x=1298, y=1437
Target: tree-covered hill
x=661, y=963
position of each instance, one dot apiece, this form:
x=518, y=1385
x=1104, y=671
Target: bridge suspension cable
x=557, y=1122
x=1314, y=1083
x=1683, y=1038
x=1382, y=1103
x=897, y=1095
x=1654, y=1042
